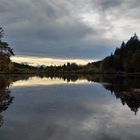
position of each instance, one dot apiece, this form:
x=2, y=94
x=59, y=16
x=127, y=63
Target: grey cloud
x=55, y=28
x=106, y=4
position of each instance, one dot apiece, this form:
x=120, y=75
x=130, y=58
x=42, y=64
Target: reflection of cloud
x=32, y=60
x=35, y=81
x=71, y=112
x=67, y=112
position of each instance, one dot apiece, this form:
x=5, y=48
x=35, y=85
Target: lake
x=47, y=108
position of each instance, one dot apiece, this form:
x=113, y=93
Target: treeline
x=125, y=59
x=66, y=68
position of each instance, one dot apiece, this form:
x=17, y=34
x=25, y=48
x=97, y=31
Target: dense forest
x=125, y=59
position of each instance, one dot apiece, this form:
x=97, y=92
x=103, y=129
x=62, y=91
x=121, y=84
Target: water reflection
x=46, y=81
x=5, y=96
x=127, y=89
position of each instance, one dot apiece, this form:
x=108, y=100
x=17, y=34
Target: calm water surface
x=52, y=109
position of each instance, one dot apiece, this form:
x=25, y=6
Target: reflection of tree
x=1, y=120
x=65, y=77
x=127, y=90
x=5, y=94
x=5, y=97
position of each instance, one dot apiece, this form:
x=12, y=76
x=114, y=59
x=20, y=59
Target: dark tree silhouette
x=5, y=53
x=5, y=96
x=125, y=59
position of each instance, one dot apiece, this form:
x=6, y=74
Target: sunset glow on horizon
x=37, y=61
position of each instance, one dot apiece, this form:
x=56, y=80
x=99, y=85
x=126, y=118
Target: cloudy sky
x=68, y=29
